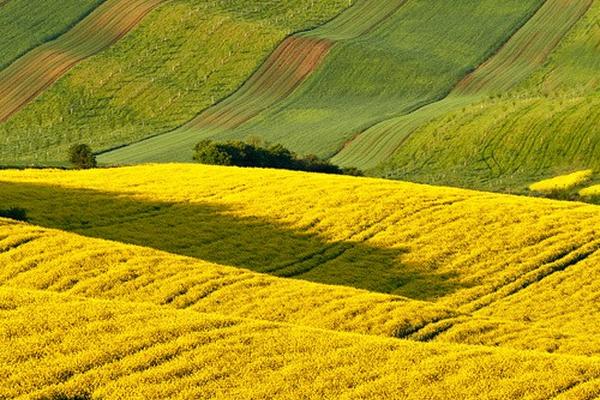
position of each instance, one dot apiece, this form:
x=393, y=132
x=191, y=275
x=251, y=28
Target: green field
x=523, y=53
x=400, y=64
x=545, y=127
x=25, y=24
x=182, y=58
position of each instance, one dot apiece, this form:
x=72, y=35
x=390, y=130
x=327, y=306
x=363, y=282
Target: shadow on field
x=210, y=232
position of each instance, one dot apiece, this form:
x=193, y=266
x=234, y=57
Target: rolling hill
x=183, y=57
x=409, y=54
x=545, y=127
x=471, y=273
x=496, y=104
x=472, y=286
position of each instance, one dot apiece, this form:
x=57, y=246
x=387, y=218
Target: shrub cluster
x=243, y=154
x=82, y=157
x=16, y=213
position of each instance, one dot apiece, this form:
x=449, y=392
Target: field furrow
x=27, y=77
x=26, y=24
x=545, y=126
x=447, y=261
x=527, y=50
x=285, y=70
x=182, y=58
x=371, y=73
x=148, y=352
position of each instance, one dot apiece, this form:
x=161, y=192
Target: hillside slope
x=546, y=126
x=183, y=57
x=25, y=24
x=143, y=351
x=31, y=74
x=485, y=267
x=519, y=57
x=534, y=319
x=411, y=56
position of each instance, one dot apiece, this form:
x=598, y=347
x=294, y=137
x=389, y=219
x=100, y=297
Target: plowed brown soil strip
x=30, y=75
x=527, y=49
x=291, y=63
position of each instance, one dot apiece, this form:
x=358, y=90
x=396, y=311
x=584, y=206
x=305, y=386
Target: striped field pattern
x=375, y=69
x=546, y=126
x=180, y=59
x=30, y=75
x=526, y=51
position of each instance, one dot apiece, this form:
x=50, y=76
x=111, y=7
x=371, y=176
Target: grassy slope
x=25, y=24
x=182, y=58
x=469, y=254
x=524, y=52
x=287, y=68
x=31, y=74
x=545, y=127
x=392, y=69
x=404, y=64
x=144, y=351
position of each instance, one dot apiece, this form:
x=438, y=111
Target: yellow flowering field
x=562, y=182
x=191, y=281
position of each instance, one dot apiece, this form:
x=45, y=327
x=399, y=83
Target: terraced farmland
x=476, y=275
x=376, y=69
x=546, y=126
x=183, y=57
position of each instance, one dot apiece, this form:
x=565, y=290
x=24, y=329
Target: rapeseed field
x=191, y=279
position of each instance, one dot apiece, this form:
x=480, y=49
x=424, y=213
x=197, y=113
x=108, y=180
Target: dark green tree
x=82, y=157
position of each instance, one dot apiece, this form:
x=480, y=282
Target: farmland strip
x=526, y=50
x=285, y=70
x=25, y=79
x=145, y=351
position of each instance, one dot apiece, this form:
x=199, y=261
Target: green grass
x=544, y=127
x=182, y=58
x=413, y=57
x=25, y=24
x=523, y=53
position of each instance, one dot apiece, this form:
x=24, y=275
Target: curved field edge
x=468, y=253
x=303, y=130
x=143, y=350
x=350, y=91
x=25, y=24
x=287, y=67
x=75, y=265
x=546, y=126
x=108, y=101
x=31, y=74
x=517, y=59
